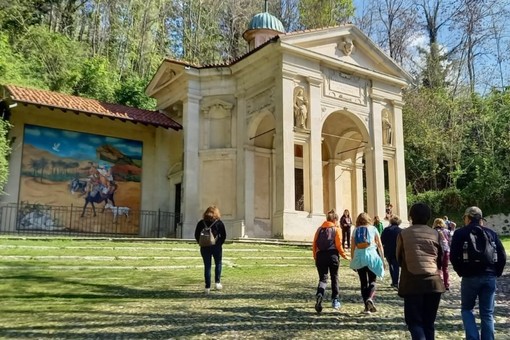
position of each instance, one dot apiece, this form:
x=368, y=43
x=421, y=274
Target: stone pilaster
x=374, y=159
x=400, y=205
x=315, y=124
x=191, y=203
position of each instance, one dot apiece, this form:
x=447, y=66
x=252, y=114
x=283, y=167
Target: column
x=191, y=177
x=400, y=205
x=244, y=165
x=315, y=125
x=284, y=152
x=358, y=205
x=306, y=176
x=333, y=185
x=249, y=187
x=374, y=160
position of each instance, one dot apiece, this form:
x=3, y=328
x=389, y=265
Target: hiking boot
x=218, y=286
x=318, y=304
x=335, y=304
x=371, y=306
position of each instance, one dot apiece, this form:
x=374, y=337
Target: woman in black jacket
x=211, y=223
x=345, y=224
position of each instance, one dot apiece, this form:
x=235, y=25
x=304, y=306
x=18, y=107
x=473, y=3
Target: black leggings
x=346, y=237
x=367, y=282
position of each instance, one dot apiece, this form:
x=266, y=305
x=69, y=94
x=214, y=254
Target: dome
x=266, y=21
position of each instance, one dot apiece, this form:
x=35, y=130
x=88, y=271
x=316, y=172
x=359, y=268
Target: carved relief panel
x=347, y=87
x=216, y=125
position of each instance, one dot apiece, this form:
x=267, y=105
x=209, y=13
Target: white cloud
x=70, y=134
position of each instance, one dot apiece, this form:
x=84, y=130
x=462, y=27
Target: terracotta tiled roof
x=89, y=106
x=226, y=63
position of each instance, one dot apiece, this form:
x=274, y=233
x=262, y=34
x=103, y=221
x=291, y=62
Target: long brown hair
x=212, y=213
x=363, y=219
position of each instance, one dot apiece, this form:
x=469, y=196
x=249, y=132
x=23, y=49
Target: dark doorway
x=177, y=207
x=299, y=189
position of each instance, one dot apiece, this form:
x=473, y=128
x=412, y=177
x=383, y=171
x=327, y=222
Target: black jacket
x=218, y=230
x=461, y=235
x=389, y=241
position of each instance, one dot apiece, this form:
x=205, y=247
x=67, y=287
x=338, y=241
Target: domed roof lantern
x=263, y=26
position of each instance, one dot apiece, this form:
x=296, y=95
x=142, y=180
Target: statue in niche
x=386, y=127
x=300, y=108
x=348, y=46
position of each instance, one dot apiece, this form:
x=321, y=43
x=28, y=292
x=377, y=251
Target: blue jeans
x=420, y=315
x=394, y=269
x=482, y=287
x=216, y=252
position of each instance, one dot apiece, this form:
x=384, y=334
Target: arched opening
x=260, y=159
x=344, y=139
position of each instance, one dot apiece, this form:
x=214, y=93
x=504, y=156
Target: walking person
x=346, y=224
x=419, y=254
x=365, y=259
x=212, y=230
x=389, y=242
x=478, y=256
x=440, y=226
x=327, y=246
x=450, y=225
x=378, y=224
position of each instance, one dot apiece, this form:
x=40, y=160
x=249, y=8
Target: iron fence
x=38, y=219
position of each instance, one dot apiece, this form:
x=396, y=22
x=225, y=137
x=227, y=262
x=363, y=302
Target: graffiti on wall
x=99, y=177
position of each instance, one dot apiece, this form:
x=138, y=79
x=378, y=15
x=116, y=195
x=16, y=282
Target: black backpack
x=479, y=250
x=325, y=239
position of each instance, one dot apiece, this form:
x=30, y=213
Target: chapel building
x=305, y=122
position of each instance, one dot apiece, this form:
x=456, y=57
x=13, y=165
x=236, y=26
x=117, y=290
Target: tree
x=324, y=13
x=96, y=80
x=53, y=57
x=4, y=152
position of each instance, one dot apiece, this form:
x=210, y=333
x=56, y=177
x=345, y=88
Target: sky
x=77, y=145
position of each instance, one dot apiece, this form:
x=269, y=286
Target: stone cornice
x=354, y=69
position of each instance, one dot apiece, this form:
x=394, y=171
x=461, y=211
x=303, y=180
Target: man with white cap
x=478, y=256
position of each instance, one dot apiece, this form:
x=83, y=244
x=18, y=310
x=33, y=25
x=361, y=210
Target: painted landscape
x=69, y=170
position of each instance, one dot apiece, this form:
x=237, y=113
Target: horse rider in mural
x=101, y=179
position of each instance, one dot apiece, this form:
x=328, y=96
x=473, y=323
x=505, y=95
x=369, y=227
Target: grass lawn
x=102, y=289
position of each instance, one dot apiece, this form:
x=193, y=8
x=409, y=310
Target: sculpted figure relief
x=348, y=46
x=386, y=127
x=300, y=108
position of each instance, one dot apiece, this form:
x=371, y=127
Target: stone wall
x=499, y=223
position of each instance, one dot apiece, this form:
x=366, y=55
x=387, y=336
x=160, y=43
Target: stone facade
x=307, y=122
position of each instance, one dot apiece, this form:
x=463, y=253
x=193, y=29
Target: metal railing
x=38, y=219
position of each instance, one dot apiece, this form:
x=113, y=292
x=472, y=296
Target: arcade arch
x=259, y=161
x=344, y=139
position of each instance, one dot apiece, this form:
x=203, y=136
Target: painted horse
x=79, y=185
x=99, y=194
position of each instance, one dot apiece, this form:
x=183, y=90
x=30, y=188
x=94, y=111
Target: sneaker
x=207, y=290
x=335, y=304
x=218, y=286
x=371, y=306
x=318, y=304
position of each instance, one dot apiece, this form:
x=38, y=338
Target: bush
x=440, y=202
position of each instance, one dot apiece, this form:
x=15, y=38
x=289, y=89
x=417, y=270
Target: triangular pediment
x=165, y=75
x=347, y=44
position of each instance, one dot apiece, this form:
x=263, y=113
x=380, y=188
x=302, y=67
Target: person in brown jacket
x=327, y=246
x=419, y=254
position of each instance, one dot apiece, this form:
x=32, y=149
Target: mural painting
x=80, y=182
